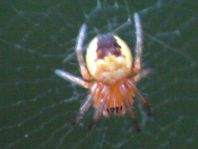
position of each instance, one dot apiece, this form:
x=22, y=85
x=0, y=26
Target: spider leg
x=95, y=121
x=137, y=61
x=144, y=103
x=67, y=76
x=97, y=114
x=141, y=74
x=139, y=43
x=79, y=52
x=130, y=110
x=142, y=99
x=98, y=111
x=83, y=110
x=86, y=105
x=132, y=113
x=134, y=118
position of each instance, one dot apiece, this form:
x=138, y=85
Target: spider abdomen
x=108, y=58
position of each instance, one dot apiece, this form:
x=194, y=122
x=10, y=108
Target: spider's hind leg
x=79, y=52
x=139, y=43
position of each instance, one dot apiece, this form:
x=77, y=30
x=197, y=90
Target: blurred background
x=37, y=107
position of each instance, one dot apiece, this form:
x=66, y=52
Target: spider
x=110, y=73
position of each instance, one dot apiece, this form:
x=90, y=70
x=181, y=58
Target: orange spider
x=110, y=73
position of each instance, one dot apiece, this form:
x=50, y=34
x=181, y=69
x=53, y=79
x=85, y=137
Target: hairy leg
x=139, y=43
x=128, y=107
x=84, y=108
x=142, y=74
x=73, y=79
x=141, y=97
x=79, y=52
x=100, y=108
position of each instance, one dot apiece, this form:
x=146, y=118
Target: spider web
x=36, y=107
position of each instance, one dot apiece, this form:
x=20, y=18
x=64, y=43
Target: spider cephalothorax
x=110, y=73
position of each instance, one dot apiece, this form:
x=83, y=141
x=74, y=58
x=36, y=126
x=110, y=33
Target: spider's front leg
x=78, y=81
x=143, y=101
x=87, y=103
x=99, y=110
x=83, y=109
x=127, y=105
